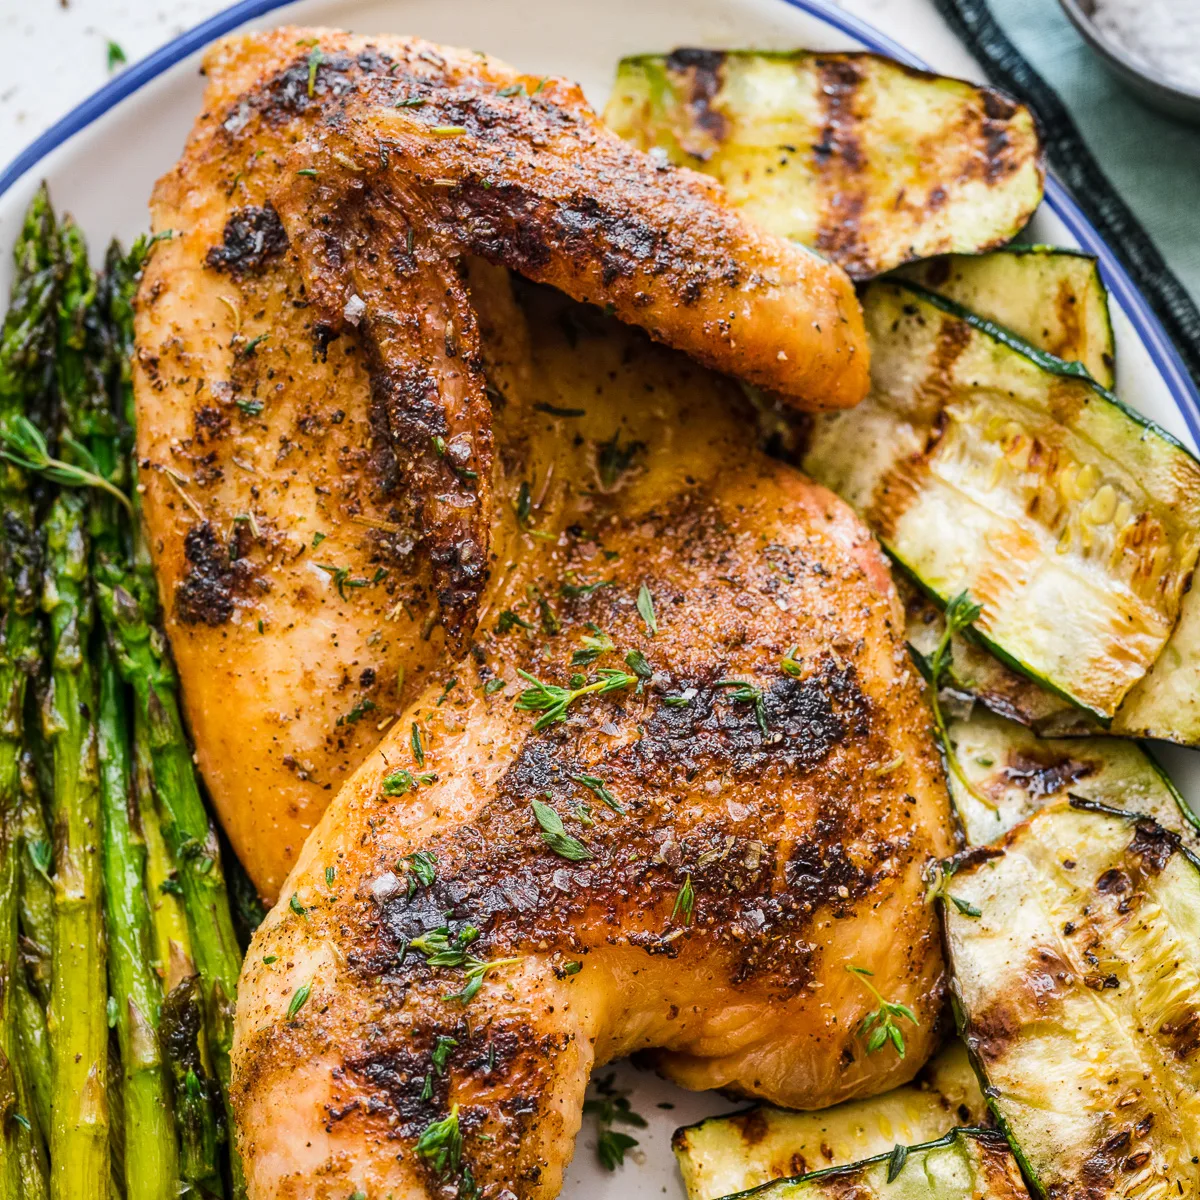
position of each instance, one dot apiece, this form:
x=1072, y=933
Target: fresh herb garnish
x=610, y=1106
x=423, y=866
x=896, y=1161
x=879, y=1026
x=357, y=713
x=961, y=612
x=330, y=876
x=315, y=58
x=400, y=782
x=295, y=905
x=677, y=701
x=318, y=538
x=445, y=692
x=747, y=693
x=342, y=580
x=443, y=949
x=637, y=662
x=553, y=701
x=412, y=102
x=966, y=907
x=252, y=408
x=22, y=443
x=789, y=664
x=613, y=459
x=595, y=643
x=440, y=1144
x=576, y=591
x=685, y=901
x=494, y=685
x=299, y=998
x=441, y=1052
x=598, y=788
x=555, y=835
x=645, y=606
x=551, y=625
x=307, y=172
x=115, y=56
x=524, y=504
x=417, y=748
x=508, y=619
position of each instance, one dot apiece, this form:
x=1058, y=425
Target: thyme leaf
x=555, y=836
x=880, y=1026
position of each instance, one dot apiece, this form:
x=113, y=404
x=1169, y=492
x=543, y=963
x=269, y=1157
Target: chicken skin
x=678, y=791
x=280, y=480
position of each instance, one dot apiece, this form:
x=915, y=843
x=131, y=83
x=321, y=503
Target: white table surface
x=55, y=52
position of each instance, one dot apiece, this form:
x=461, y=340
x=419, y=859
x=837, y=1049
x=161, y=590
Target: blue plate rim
x=1162, y=352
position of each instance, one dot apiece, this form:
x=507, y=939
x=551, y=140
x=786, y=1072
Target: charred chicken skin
x=716, y=790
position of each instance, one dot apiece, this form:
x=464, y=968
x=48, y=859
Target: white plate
x=102, y=159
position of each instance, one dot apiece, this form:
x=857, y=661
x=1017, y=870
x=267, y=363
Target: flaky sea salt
x=1162, y=35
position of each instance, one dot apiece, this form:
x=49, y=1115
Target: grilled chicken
x=737, y=807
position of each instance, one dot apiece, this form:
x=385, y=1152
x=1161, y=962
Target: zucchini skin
x=790, y=135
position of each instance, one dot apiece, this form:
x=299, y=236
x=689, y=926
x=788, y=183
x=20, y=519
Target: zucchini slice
x=1016, y=773
x=736, y=1152
x=1074, y=953
x=986, y=465
x=1053, y=298
x=966, y=1164
x=866, y=161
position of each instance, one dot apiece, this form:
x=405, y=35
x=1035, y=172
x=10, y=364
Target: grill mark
x=1046, y=773
x=839, y=161
x=703, y=70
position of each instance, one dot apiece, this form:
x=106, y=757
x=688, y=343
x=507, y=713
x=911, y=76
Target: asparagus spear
x=127, y=603
x=172, y=942
x=150, y=1147
x=78, y=1029
x=79, y=1149
x=195, y=1105
x=25, y=335
x=37, y=892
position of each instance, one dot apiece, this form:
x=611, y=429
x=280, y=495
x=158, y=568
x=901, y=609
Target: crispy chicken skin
x=313, y=543
x=803, y=842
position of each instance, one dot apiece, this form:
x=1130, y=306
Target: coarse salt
x=1163, y=36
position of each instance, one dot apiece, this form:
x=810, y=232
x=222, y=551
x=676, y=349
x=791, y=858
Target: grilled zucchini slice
x=732, y=1153
x=966, y=1164
x=1053, y=298
x=986, y=465
x=1074, y=954
x=1013, y=773
x=868, y=162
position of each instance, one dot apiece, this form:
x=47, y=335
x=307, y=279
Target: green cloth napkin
x=1152, y=160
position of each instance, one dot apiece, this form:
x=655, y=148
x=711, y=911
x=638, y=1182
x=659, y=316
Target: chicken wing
x=313, y=542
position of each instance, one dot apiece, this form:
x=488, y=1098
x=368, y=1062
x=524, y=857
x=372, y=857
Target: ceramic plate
x=102, y=159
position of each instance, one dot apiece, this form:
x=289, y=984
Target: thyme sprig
x=610, y=1106
x=880, y=1025
x=961, y=613
x=442, y=948
x=555, y=835
x=747, y=693
x=599, y=789
x=595, y=643
x=22, y=443
x=553, y=701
